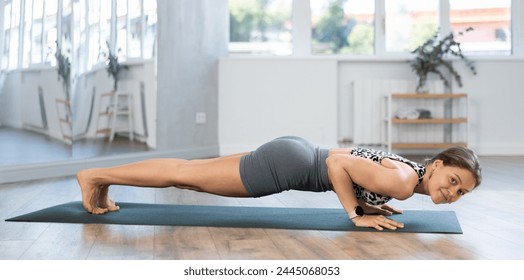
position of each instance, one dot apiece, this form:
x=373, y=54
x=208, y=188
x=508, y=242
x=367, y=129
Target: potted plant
x=431, y=57
x=64, y=69
x=114, y=68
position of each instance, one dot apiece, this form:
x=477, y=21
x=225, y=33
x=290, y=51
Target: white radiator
x=369, y=106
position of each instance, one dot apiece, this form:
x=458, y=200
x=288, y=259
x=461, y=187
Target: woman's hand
x=379, y=222
x=384, y=209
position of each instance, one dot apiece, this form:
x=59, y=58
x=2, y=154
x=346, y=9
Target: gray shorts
x=286, y=163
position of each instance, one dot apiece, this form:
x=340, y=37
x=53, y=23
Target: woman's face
x=447, y=184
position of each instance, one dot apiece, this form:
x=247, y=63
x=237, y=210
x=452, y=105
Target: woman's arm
x=387, y=179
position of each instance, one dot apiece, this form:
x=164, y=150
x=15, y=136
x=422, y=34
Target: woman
x=363, y=179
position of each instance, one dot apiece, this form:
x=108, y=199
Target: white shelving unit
x=447, y=126
x=120, y=105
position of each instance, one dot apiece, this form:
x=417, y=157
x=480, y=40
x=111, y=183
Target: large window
x=81, y=28
x=30, y=33
x=118, y=26
x=32, y=28
x=367, y=27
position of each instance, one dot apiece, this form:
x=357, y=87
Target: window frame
x=83, y=65
x=21, y=39
x=301, y=43
x=113, y=37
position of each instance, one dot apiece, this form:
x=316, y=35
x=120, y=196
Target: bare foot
x=90, y=192
x=104, y=201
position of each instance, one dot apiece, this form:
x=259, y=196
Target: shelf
x=64, y=121
x=428, y=95
x=426, y=145
x=449, y=124
x=63, y=108
x=429, y=121
x=65, y=102
x=106, y=113
x=106, y=131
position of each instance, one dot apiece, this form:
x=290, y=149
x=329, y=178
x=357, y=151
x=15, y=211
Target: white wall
x=496, y=99
x=10, y=104
x=20, y=105
x=192, y=36
x=263, y=98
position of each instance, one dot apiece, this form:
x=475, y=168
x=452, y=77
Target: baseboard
x=507, y=149
x=10, y=174
x=226, y=150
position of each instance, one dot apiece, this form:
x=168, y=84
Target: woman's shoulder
x=340, y=151
x=402, y=164
x=378, y=156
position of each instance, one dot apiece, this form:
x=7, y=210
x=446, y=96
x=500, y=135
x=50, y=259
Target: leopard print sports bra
x=377, y=156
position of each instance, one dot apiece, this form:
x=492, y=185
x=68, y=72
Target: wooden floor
x=21, y=146
x=491, y=218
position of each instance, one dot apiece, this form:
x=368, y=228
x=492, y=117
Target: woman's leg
x=220, y=176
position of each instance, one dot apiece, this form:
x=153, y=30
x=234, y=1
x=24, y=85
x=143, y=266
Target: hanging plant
x=431, y=57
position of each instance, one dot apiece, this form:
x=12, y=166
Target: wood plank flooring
x=491, y=218
x=19, y=146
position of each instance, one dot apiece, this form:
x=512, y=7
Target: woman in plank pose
x=363, y=179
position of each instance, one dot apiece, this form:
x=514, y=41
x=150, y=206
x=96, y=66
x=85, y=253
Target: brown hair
x=460, y=157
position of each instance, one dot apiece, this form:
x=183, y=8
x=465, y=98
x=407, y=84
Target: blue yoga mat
x=243, y=217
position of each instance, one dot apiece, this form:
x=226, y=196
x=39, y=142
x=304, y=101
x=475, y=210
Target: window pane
x=121, y=26
x=7, y=34
x=50, y=31
x=342, y=26
x=135, y=28
x=260, y=26
x=14, y=33
x=95, y=45
x=491, y=22
x=79, y=37
x=66, y=39
x=150, y=32
x=105, y=23
x=36, y=41
x=28, y=23
x=409, y=23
